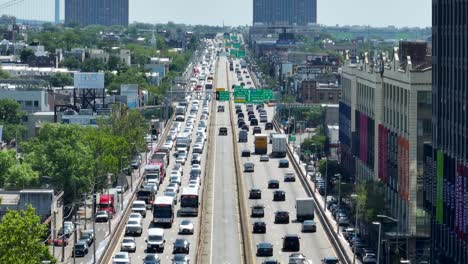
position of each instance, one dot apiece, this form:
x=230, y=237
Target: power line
x=10, y=3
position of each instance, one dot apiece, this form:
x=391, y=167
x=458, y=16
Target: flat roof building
x=92, y=12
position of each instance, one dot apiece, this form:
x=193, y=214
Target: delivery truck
x=261, y=144
x=305, y=208
x=279, y=145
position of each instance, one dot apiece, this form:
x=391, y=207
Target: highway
x=315, y=246
x=225, y=235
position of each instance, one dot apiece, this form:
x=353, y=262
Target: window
x=321, y=96
x=330, y=96
x=36, y=103
x=28, y=103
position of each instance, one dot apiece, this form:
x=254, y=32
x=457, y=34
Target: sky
x=400, y=13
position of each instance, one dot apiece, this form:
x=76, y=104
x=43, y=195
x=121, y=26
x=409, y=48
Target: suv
x=257, y=211
x=291, y=243
x=257, y=130
x=281, y=217
x=255, y=194
x=268, y=126
x=220, y=108
x=259, y=227
x=223, y=131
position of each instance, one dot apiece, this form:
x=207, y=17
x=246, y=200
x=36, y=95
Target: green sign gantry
x=258, y=96
x=224, y=96
x=292, y=138
x=236, y=45
x=241, y=53
x=241, y=95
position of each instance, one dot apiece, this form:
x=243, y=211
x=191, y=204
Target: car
x=173, y=187
x=309, y=226
x=220, y=108
x=135, y=163
x=240, y=115
x=363, y=251
x=279, y=195
x=289, y=176
x=251, y=116
x=273, y=184
x=291, y=243
x=281, y=217
x=121, y=258
x=181, y=158
x=136, y=216
x=139, y=206
x=268, y=126
x=330, y=260
x=369, y=258
x=264, y=249
x=186, y=227
x=180, y=259
x=264, y=158
x=245, y=153
x=240, y=123
x=133, y=227
x=88, y=236
x=257, y=211
x=297, y=258
x=254, y=122
x=196, y=158
x=223, y=131
x=259, y=227
x=198, y=148
x=256, y=130
x=238, y=110
x=283, y=163
x=171, y=194
x=343, y=221
x=151, y=259
x=255, y=194
x=128, y=244
x=181, y=246
x=270, y=261
x=80, y=249
x=102, y=216
x=249, y=167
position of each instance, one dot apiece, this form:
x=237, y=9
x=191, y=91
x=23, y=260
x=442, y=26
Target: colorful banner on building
x=1, y=133
x=440, y=188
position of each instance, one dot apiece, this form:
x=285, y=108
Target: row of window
x=396, y=107
x=27, y=104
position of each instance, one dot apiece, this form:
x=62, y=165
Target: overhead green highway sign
x=224, y=96
x=241, y=95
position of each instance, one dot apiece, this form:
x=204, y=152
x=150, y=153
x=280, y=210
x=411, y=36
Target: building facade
x=285, y=12
x=385, y=117
x=92, y=12
x=313, y=92
x=446, y=181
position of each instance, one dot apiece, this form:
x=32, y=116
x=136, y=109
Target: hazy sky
x=399, y=13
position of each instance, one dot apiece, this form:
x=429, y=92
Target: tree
x=71, y=63
x=115, y=64
x=21, y=176
x=93, y=65
x=21, y=238
x=4, y=75
x=333, y=167
x=27, y=55
x=371, y=200
x=7, y=160
x=131, y=76
x=60, y=80
x=10, y=111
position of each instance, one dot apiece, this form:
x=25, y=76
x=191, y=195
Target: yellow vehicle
x=261, y=143
x=220, y=89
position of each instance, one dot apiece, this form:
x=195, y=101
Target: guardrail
x=248, y=256
x=329, y=229
x=106, y=257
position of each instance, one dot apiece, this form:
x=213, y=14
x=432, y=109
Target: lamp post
x=339, y=199
x=122, y=189
x=356, y=212
x=109, y=181
x=326, y=183
x=378, y=243
x=398, y=226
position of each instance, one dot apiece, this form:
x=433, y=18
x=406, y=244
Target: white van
x=155, y=240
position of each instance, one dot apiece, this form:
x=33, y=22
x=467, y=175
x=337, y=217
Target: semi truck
x=261, y=144
x=279, y=145
x=305, y=208
x=107, y=202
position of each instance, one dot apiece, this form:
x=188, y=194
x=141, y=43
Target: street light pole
x=356, y=212
x=339, y=199
x=326, y=183
x=378, y=243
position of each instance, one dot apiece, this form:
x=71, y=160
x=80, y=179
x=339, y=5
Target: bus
x=209, y=85
x=189, y=201
x=163, y=210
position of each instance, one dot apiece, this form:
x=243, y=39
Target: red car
x=59, y=241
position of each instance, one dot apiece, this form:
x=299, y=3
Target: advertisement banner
x=440, y=188
x=89, y=80
x=459, y=192
x=1, y=133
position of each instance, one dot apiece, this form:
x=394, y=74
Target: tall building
x=92, y=12
x=384, y=121
x=285, y=12
x=446, y=177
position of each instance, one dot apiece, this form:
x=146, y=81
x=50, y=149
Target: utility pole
x=94, y=223
x=53, y=230
x=339, y=200
x=74, y=241
x=63, y=233
x=326, y=182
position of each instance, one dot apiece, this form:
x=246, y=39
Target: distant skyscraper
x=285, y=12
x=97, y=12
x=447, y=198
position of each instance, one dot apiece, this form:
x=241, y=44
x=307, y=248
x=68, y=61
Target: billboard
x=89, y=80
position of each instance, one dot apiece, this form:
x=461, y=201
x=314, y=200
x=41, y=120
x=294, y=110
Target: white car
x=200, y=129
x=121, y=258
x=198, y=148
x=199, y=140
x=136, y=216
x=178, y=168
x=172, y=195
x=128, y=244
x=201, y=134
x=176, y=179
x=186, y=227
x=264, y=158
x=193, y=185
x=195, y=181
x=169, y=143
x=174, y=186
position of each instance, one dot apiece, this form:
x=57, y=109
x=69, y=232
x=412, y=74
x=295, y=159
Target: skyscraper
x=92, y=12
x=285, y=12
x=447, y=184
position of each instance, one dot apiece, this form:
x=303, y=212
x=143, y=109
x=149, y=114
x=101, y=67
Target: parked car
x=80, y=249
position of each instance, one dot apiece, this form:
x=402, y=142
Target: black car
x=240, y=115
x=257, y=130
x=245, y=127
x=257, y=211
x=255, y=194
x=196, y=158
x=270, y=261
x=223, y=131
x=283, y=163
x=238, y=110
x=281, y=217
x=291, y=243
x=80, y=249
x=279, y=195
x=254, y=122
x=250, y=112
x=259, y=105
x=289, y=177
x=240, y=123
x=268, y=126
x=259, y=227
x=273, y=184
x=220, y=108
x=264, y=249
x=245, y=153
x=88, y=236
x=252, y=116
x=181, y=246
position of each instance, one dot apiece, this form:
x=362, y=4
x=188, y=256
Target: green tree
x=7, y=160
x=115, y=64
x=93, y=65
x=60, y=80
x=371, y=200
x=21, y=176
x=333, y=167
x=27, y=55
x=71, y=63
x=4, y=75
x=10, y=111
x=21, y=238
x=131, y=76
